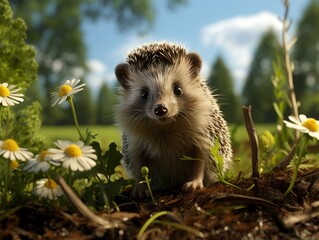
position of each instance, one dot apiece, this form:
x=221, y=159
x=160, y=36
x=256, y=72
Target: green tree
x=55, y=30
x=18, y=67
x=126, y=13
x=54, y=27
x=17, y=59
x=105, y=106
x=306, y=59
x=85, y=107
x=220, y=79
x=258, y=88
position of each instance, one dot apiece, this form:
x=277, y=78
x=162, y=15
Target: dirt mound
x=258, y=210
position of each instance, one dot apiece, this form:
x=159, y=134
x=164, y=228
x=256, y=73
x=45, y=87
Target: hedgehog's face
x=158, y=94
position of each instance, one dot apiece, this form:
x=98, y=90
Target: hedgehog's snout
x=160, y=109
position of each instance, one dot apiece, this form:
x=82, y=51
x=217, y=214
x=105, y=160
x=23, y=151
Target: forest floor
x=217, y=212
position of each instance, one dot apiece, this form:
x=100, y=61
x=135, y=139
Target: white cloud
x=96, y=66
x=98, y=74
x=237, y=38
x=205, y=69
x=133, y=42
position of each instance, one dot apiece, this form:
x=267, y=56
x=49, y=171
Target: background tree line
x=62, y=55
x=54, y=28
x=258, y=89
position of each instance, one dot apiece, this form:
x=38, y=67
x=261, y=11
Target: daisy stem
x=296, y=165
x=70, y=100
x=6, y=184
x=1, y=119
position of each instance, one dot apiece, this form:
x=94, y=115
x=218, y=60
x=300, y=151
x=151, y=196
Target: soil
x=216, y=212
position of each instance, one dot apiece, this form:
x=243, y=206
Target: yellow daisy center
x=73, y=151
x=50, y=184
x=10, y=145
x=14, y=164
x=311, y=124
x=64, y=90
x=4, y=91
x=42, y=155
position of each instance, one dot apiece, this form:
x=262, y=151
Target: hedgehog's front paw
x=192, y=185
x=140, y=191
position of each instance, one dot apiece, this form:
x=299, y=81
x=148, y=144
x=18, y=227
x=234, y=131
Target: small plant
x=145, y=171
x=267, y=147
x=306, y=129
x=309, y=127
x=89, y=172
x=178, y=225
x=10, y=151
x=66, y=92
x=219, y=161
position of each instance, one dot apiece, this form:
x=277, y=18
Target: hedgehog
x=170, y=119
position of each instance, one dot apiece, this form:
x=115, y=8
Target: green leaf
x=279, y=113
x=112, y=159
x=96, y=146
x=217, y=157
x=113, y=189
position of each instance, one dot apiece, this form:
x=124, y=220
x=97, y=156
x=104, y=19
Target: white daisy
x=47, y=188
x=10, y=149
x=75, y=156
x=41, y=162
x=9, y=95
x=66, y=90
x=304, y=125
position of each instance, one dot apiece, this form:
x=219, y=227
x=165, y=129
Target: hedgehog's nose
x=160, y=109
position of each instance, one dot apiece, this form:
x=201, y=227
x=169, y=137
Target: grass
x=108, y=134
x=105, y=134
x=239, y=134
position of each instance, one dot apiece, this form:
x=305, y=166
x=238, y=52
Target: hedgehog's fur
x=167, y=112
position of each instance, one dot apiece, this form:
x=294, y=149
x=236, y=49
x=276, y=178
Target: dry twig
x=85, y=211
x=251, y=130
x=303, y=216
x=288, y=64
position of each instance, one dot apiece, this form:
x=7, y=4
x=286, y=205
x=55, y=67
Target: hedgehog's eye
x=144, y=94
x=177, y=90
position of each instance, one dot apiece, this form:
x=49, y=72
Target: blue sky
x=230, y=28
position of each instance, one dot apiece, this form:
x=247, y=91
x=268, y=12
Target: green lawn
x=240, y=134
x=105, y=134
x=108, y=134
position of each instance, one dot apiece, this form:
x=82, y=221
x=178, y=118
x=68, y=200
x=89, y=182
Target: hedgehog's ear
x=195, y=64
x=122, y=74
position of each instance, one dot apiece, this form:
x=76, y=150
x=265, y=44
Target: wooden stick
x=251, y=130
x=85, y=211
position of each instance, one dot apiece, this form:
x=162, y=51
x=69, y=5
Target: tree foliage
x=126, y=13
x=17, y=62
x=258, y=88
x=221, y=81
x=105, y=105
x=18, y=67
x=85, y=107
x=54, y=28
x=306, y=58
x=27, y=124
